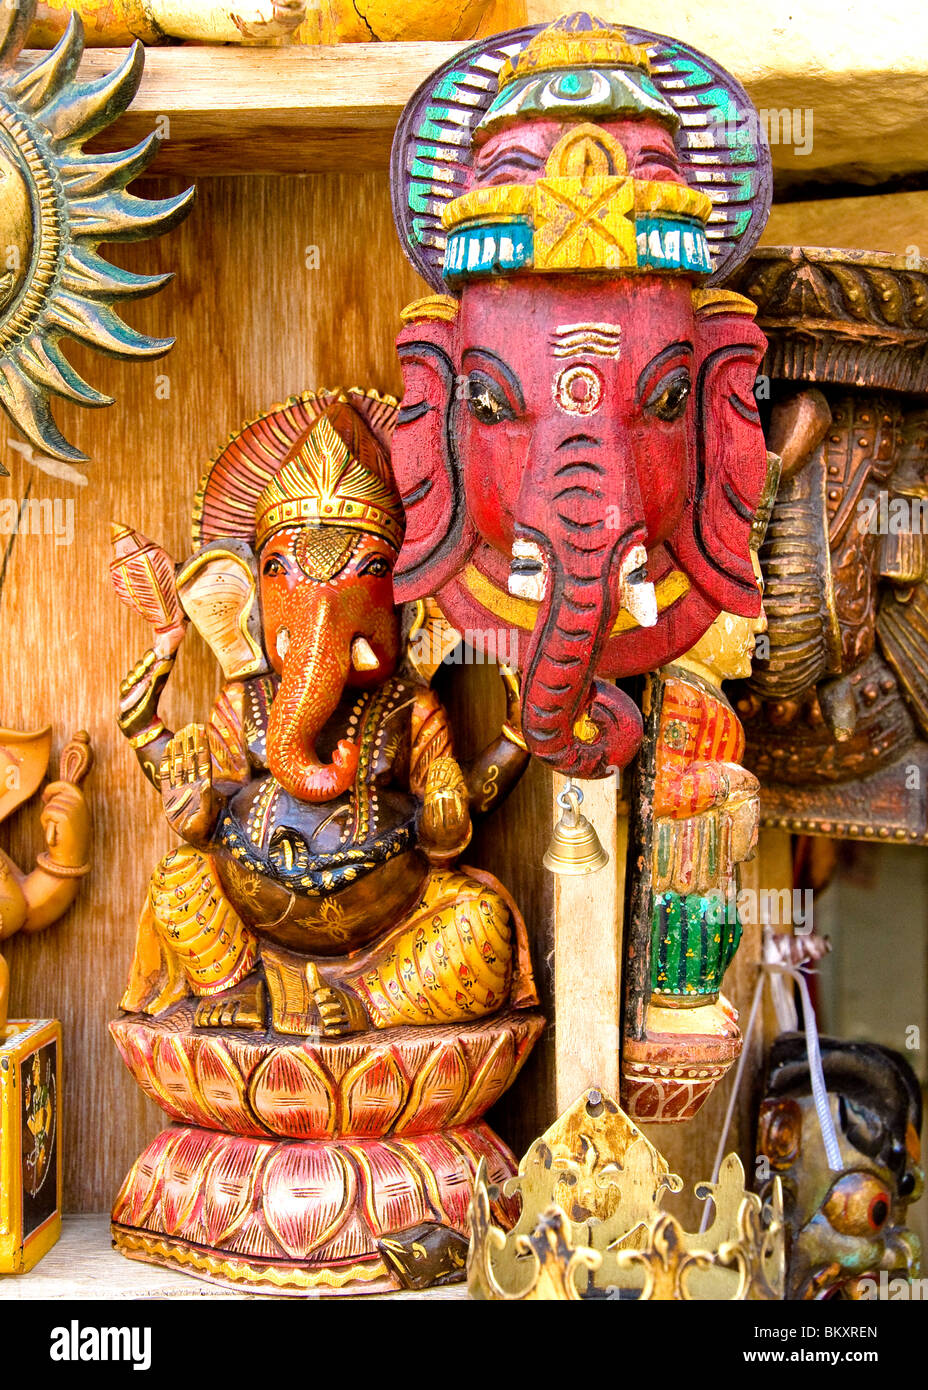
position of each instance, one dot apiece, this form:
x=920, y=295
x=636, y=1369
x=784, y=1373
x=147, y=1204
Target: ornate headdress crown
x=335, y=475
x=577, y=72
x=585, y=212
x=577, y=66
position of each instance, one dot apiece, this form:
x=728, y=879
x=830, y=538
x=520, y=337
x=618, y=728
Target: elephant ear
x=729, y=464
x=23, y=764
x=439, y=533
x=218, y=588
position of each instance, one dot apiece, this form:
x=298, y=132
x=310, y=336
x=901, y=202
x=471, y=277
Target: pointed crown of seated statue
x=336, y=475
x=585, y=212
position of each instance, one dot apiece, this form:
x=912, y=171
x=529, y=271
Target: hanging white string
x=768, y=970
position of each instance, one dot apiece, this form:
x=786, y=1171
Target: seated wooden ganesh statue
x=321, y=996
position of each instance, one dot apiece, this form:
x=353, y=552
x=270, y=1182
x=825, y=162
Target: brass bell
x=575, y=847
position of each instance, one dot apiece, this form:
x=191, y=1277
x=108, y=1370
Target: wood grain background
x=254, y=324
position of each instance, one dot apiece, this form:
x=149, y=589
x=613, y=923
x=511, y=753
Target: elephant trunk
x=802, y=647
x=315, y=670
x=578, y=724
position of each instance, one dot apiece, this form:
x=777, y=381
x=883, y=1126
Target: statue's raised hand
x=66, y=824
x=444, y=823
x=191, y=803
x=140, y=693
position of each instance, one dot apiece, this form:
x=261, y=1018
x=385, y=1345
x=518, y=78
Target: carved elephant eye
x=668, y=399
x=377, y=565
x=274, y=566
x=486, y=401
x=858, y=1205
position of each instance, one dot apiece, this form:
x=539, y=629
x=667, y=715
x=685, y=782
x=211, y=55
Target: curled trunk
x=578, y=724
x=314, y=673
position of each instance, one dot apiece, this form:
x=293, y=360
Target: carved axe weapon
x=76, y=759
x=143, y=577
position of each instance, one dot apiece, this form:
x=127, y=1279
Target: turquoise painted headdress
x=582, y=71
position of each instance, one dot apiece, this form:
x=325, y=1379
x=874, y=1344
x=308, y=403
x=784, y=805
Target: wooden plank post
x=588, y=918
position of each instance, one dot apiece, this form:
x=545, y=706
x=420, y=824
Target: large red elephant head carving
x=578, y=448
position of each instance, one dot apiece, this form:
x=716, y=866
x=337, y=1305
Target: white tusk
x=638, y=596
x=532, y=582
x=283, y=643
x=363, y=657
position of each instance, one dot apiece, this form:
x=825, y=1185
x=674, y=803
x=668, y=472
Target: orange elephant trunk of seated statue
x=316, y=668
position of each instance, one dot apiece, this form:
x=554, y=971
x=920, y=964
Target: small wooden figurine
x=275, y=21
x=702, y=823
x=30, y=1049
x=848, y=1234
x=578, y=449
x=57, y=204
x=321, y=996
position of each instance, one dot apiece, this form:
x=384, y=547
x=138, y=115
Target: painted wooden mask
x=847, y=1227
x=578, y=447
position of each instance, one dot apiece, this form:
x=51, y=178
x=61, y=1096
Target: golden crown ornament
x=325, y=484
x=592, y=1223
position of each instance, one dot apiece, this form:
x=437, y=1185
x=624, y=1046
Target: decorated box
x=30, y=1155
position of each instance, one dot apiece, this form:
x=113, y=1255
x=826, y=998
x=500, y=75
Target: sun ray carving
x=57, y=204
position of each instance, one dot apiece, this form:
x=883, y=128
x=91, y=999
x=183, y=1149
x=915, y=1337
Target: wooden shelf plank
x=284, y=111
x=312, y=109
x=83, y=1265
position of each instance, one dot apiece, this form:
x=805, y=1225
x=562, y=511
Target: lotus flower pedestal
x=330, y=1166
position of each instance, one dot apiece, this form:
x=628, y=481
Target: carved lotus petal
x=254, y=1239
x=222, y=1088
x=184, y=1176
x=374, y=1091
x=140, y=1189
x=492, y=1078
x=393, y=1188
x=448, y=1180
x=438, y=1091
x=174, y=1078
x=477, y=1142
x=228, y=1193
x=292, y=1095
x=308, y=1192
x=136, y=1048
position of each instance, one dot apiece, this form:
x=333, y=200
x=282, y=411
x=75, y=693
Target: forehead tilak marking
x=322, y=552
x=591, y=339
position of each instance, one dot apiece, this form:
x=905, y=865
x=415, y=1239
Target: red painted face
x=589, y=413
x=329, y=623
x=580, y=457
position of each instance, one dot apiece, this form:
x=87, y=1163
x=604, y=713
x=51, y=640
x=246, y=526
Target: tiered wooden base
x=661, y=1087
x=316, y=1166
